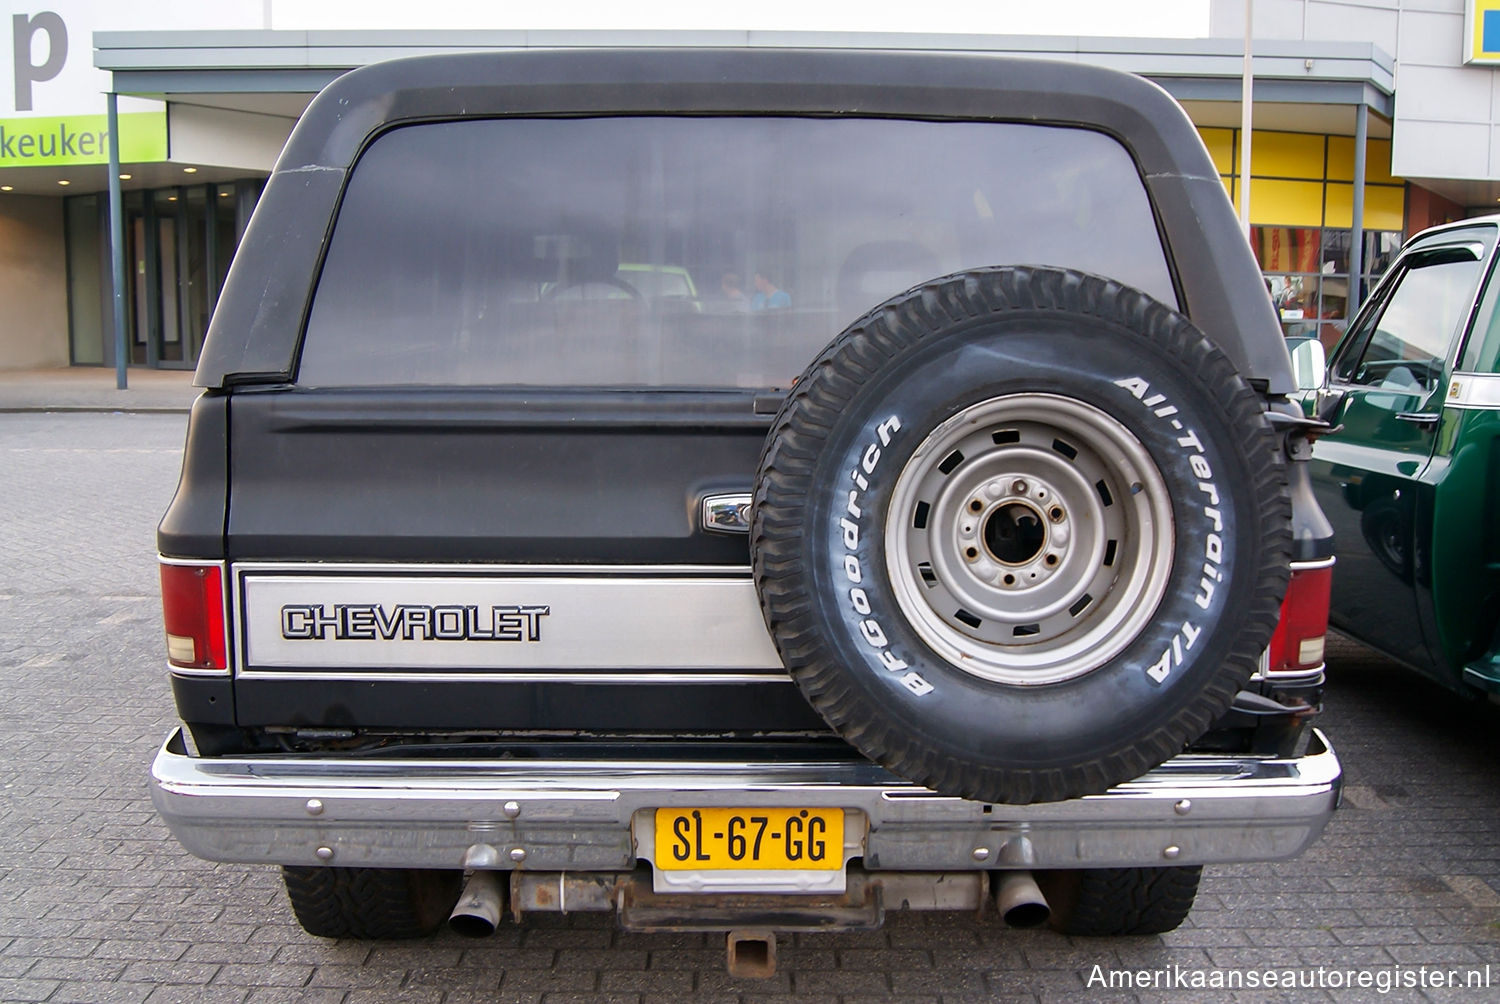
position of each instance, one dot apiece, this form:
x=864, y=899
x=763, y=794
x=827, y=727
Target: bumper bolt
x=324, y=853
x=1183, y=807
x=1172, y=853
x=518, y=854
x=511, y=809
x=981, y=853
x=314, y=807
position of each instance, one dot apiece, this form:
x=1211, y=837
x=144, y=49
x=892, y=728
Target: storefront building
x=203, y=115
x=185, y=201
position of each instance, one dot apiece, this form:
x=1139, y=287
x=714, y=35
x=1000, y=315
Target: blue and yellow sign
x=1482, y=32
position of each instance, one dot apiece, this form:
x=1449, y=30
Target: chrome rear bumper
x=591, y=816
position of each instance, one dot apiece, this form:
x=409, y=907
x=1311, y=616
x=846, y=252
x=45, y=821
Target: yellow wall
x=1305, y=179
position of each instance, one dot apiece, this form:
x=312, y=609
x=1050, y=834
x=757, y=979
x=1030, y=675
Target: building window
x=178, y=244
x=1308, y=272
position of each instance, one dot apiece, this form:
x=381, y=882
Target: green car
x=1410, y=475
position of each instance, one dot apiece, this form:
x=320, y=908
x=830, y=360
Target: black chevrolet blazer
x=721, y=485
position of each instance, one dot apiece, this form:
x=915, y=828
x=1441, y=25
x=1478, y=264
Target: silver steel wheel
x=1029, y=539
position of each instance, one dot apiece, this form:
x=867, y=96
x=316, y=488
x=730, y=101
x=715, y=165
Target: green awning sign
x=70, y=140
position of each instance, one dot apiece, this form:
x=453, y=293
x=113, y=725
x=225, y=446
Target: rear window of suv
x=713, y=252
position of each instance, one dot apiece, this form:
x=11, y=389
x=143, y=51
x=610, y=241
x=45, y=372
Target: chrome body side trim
x=583, y=815
x=1478, y=391
x=517, y=623
x=631, y=678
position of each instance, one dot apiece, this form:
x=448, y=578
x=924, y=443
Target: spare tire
x=1020, y=534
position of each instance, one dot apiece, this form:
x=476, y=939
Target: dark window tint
x=708, y=252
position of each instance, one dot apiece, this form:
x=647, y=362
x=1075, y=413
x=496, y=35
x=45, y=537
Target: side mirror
x=1309, y=362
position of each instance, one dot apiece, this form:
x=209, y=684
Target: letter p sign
x=24, y=29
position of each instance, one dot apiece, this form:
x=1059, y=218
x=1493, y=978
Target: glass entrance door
x=178, y=244
x=171, y=270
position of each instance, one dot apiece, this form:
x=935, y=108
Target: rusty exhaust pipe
x=1018, y=898
x=479, y=906
x=1020, y=902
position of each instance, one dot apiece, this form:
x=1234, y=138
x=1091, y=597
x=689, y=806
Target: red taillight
x=192, y=602
x=1297, y=646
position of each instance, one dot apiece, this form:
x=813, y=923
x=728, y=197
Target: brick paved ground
x=98, y=904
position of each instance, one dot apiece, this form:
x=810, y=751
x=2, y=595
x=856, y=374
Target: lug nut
x=1018, y=487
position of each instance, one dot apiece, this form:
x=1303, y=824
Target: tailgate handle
x=726, y=513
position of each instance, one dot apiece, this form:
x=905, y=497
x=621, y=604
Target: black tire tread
x=1115, y=902
x=819, y=398
x=370, y=903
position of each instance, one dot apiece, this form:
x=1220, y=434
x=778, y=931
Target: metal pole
x=117, y=239
x=1357, y=224
x=1247, y=87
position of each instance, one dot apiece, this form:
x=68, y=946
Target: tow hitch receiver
x=752, y=954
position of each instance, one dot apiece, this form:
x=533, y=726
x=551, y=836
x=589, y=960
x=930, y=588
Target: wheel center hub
x=1015, y=533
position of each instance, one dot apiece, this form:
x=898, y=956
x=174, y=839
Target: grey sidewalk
x=92, y=388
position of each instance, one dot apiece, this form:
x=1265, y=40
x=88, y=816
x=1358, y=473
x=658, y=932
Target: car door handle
x=726, y=513
x=1419, y=417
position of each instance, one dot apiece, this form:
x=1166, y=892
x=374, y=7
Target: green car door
x=1387, y=474
x=1461, y=612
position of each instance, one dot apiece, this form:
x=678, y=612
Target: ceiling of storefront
x=95, y=178
x=1333, y=119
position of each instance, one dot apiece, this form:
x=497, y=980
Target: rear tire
x=1115, y=902
x=371, y=903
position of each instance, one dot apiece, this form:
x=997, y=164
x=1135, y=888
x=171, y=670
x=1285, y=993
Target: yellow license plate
x=758, y=839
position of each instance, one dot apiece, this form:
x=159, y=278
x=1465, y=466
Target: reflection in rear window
x=690, y=252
